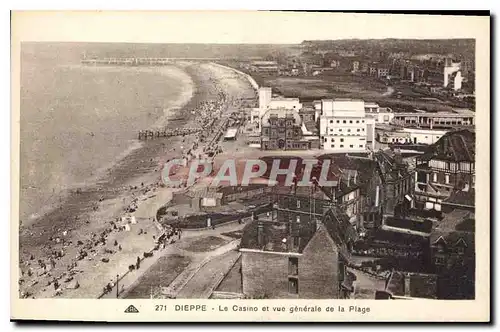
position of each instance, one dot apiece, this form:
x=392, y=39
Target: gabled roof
x=454, y=146
x=463, y=198
x=334, y=222
x=458, y=225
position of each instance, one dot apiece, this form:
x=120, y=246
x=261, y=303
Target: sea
x=77, y=121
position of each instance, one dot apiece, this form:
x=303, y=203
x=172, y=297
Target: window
x=351, y=146
x=332, y=146
x=331, y=121
x=362, y=121
x=293, y=285
x=338, y=121
x=439, y=260
x=361, y=145
x=341, y=145
x=333, y=139
x=447, y=178
x=434, y=177
x=343, y=121
x=348, y=130
x=298, y=204
x=350, y=121
x=341, y=139
x=359, y=129
x=357, y=121
x=340, y=129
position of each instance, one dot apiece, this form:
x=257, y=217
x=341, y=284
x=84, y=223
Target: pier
x=139, y=61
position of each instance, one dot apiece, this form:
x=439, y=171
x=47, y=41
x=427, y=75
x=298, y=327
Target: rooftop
x=412, y=285
x=276, y=235
x=464, y=198
x=454, y=146
x=458, y=224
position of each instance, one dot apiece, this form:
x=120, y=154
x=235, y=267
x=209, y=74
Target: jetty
x=139, y=61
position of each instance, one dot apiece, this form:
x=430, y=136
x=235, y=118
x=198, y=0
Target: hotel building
x=345, y=126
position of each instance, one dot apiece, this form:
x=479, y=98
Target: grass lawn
x=234, y=234
x=205, y=244
x=232, y=280
x=162, y=273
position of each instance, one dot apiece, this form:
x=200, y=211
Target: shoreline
x=174, y=109
x=89, y=212
x=112, y=176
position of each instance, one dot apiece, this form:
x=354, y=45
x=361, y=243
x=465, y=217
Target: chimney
x=377, y=194
x=355, y=176
x=348, y=178
x=260, y=234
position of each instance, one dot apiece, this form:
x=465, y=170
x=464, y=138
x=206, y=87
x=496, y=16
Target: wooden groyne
x=150, y=134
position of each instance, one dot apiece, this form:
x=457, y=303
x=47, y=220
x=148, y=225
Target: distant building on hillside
x=450, y=67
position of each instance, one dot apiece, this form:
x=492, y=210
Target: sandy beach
x=93, y=209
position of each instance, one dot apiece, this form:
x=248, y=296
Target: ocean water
x=76, y=121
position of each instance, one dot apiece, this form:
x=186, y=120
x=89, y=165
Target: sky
x=234, y=27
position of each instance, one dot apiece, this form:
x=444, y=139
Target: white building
x=457, y=81
x=381, y=115
x=266, y=102
x=449, y=68
x=409, y=135
x=345, y=127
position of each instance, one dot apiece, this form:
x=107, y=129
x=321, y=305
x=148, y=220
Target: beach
x=89, y=209
x=69, y=112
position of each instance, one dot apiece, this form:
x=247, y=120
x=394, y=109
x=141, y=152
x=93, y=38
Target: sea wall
x=250, y=79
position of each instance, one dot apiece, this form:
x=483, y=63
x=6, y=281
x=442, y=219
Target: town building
x=381, y=115
x=296, y=259
x=267, y=101
x=448, y=165
x=382, y=72
x=456, y=80
x=265, y=67
x=450, y=67
x=355, y=66
x=423, y=119
x=359, y=191
x=397, y=181
x=453, y=247
x=283, y=129
x=345, y=127
x=395, y=135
